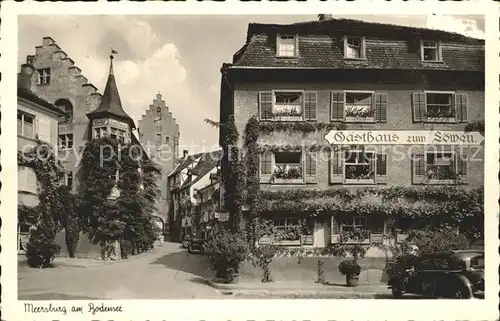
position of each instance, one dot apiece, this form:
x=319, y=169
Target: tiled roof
x=320, y=46
x=25, y=93
x=111, y=103
x=206, y=163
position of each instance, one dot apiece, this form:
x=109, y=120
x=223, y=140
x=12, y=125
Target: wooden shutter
x=461, y=107
x=31, y=180
x=381, y=107
x=337, y=167
x=266, y=166
x=335, y=230
x=311, y=159
x=461, y=160
x=337, y=106
x=266, y=105
x=21, y=178
x=381, y=169
x=418, y=168
x=419, y=108
x=311, y=101
x=43, y=128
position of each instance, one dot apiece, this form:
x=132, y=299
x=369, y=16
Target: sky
x=179, y=56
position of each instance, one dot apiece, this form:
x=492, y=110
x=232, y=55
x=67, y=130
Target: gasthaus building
x=345, y=106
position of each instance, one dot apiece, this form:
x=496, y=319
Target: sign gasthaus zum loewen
x=387, y=137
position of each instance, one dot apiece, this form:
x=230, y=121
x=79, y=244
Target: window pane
x=28, y=126
x=288, y=157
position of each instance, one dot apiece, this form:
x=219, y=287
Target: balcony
x=287, y=173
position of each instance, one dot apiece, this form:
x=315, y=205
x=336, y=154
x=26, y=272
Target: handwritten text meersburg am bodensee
x=52, y=308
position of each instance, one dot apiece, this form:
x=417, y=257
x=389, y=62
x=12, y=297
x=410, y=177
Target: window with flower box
x=440, y=107
x=358, y=106
x=358, y=166
x=440, y=167
x=357, y=229
x=287, y=167
x=287, y=105
x=287, y=230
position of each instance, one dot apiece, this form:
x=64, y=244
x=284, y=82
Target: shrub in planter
x=262, y=256
x=226, y=252
x=41, y=250
x=351, y=270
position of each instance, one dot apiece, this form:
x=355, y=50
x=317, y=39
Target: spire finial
x=111, y=57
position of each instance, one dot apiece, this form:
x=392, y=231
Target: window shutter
x=461, y=160
x=311, y=158
x=381, y=169
x=335, y=229
x=266, y=105
x=337, y=167
x=381, y=107
x=43, y=128
x=461, y=107
x=265, y=166
x=311, y=101
x=21, y=178
x=30, y=179
x=418, y=167
x=337, y=106
x=419, y=109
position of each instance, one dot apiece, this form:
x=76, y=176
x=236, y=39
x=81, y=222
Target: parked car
x=186, y=241
x=452, y=274
x=196, y=246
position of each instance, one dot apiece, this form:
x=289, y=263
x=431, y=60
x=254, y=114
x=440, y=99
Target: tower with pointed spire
x=110, y=119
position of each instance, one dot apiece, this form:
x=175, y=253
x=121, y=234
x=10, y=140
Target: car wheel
x=457, y=294
x=397, y=291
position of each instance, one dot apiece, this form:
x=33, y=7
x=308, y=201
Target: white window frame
x=274, y=167
x=287, y=40
x=44, y=76
x=23, y=181
x=100, y=130
x=289, y=118
x=67, y=176
x=359, y=119
x=360, y=48
x=452, y=159
x=452, y=105
x=286, y=220
x=359, y=181
x=64, y=141
x=437, y=46
x=363, y=226
x=23, y=114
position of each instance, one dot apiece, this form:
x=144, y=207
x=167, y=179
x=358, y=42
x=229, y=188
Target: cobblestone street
x=167, y=272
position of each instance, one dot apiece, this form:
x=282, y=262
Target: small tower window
x=67, y=107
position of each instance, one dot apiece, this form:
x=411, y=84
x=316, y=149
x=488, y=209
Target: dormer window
x=287, y=46
x=431, y=51
x=354, y=47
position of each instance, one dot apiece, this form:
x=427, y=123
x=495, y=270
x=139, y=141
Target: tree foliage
x=46, y=217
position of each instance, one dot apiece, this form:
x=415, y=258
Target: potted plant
x=351, y=270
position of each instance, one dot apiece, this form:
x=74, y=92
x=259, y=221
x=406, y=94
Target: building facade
x=37, y=119
x=52, y=75
x=207, y=205
x=334, y=99
x=159, y=134
x=193, y=173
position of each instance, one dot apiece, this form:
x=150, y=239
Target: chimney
x=26, y=76
x=323, y=17
x=184, y=154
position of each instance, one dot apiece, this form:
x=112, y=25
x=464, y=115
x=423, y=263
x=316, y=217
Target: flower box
x=376, y=237
x=288, y=242
x=265, y=240
x=288, y=181
x=307, y=239
x=400, y=237
x=359, y=119
x=287, y=118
